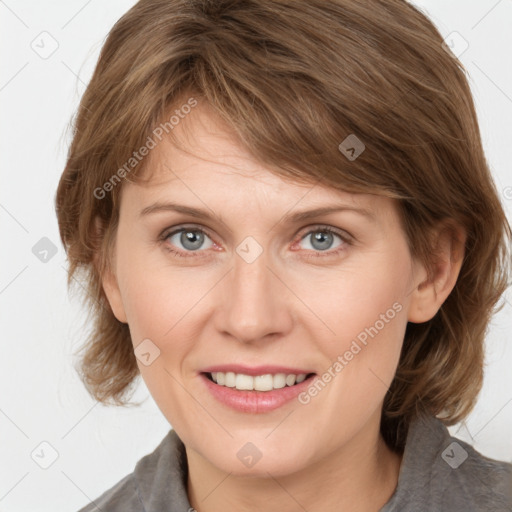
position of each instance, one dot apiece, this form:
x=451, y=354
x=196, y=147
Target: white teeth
x=230, y=380
x=244, y=381
x=279, y=380
x=265, y=382
x=290, y=380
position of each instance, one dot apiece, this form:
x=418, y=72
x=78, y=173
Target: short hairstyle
x=293, y=79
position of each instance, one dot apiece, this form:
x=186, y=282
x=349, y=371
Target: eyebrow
x=289, y=217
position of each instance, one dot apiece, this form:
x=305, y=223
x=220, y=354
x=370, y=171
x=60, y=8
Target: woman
x=289, y=230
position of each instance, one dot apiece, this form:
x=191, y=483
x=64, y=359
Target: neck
x=360, y=477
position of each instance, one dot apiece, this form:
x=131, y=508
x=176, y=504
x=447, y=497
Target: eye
x=322, y=238
x=187, y=240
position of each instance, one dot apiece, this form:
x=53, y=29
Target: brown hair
x=293, y=79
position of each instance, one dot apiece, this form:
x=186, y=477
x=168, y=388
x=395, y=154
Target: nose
x=254, y=304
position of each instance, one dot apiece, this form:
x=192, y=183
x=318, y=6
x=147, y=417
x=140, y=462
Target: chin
x=258, y=459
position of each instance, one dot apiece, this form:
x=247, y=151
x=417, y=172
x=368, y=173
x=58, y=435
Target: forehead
x=204, y=162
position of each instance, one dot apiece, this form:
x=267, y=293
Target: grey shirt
x=438, y=474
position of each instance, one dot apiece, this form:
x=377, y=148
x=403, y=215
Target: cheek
x=157, y=298
x=160, y=307
x=357, y=297
x=365, y=308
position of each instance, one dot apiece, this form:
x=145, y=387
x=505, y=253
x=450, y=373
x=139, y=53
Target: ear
x=109, y=279
x=429, y=294
x=113, y=294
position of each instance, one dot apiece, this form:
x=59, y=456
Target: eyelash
x=346, y=239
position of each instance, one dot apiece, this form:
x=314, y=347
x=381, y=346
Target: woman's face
x=246, y=284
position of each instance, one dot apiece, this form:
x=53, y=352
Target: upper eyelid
x=166, y=233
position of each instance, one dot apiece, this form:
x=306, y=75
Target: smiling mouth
x=266, y=382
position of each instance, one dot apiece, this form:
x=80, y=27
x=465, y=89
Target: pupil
x=191, y=239
x=322, y=237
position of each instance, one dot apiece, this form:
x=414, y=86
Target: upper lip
x=255, y=370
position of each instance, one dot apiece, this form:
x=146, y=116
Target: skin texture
x=287, y=307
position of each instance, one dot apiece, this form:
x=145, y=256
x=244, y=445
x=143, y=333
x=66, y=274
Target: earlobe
x=431, y=292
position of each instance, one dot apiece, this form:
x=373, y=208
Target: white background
x=41, y=397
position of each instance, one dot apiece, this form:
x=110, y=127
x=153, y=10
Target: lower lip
x=255, y=401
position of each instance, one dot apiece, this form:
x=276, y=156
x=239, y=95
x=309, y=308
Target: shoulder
x=442, y=473
x=123, y=496
x=157, y=481
x=469, y=478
